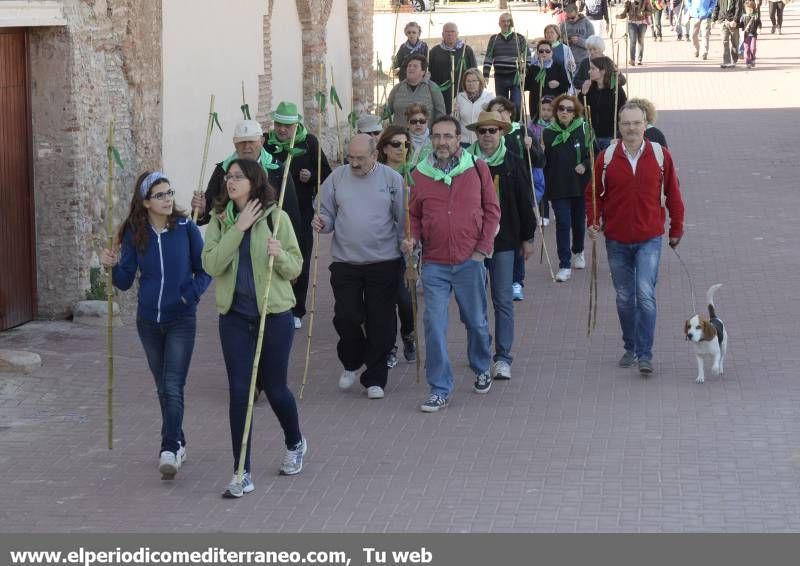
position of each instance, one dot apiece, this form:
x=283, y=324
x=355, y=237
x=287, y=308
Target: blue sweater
x=171, y=277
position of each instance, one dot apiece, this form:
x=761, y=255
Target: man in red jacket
x=455, y=215
x=632, y=190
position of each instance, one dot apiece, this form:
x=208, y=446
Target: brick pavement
x=572, y=443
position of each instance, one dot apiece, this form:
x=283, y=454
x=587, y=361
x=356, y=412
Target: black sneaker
x=627, y=359
x=483, y=383
x=433, y=403
x=409, y=348
x=391, y=359
x=645, y=367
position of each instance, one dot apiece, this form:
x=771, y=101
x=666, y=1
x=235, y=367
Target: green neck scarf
x=506, y=34
x=514, y=127
x=555, y=44
x=493, y=160
x=279, y=145
x=564, y=133
x=265, y=159
x=427, y=168
x=232, y=215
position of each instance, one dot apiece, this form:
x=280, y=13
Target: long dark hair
x=606, y=65
x=137, y=221
x=260, y=187
x=386, y=137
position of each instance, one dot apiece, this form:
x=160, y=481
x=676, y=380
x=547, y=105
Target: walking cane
x=113, y=155
x=212, y=119
x=270, y=268
x=315, y=272
x=411, y=274
x=592, y=322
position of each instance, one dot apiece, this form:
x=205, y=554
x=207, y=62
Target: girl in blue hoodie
x=164, y=247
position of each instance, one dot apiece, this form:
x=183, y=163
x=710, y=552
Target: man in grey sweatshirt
x=576, y=30
x=362, y=204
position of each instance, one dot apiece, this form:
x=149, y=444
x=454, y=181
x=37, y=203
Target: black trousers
x=306, y=242
x=365, y=296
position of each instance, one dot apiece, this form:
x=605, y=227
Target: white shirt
x=633, y=159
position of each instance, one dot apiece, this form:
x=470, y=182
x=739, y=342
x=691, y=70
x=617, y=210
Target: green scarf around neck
x=493, y=160
x=506, y=34
x=427, y=168
x=232, y=215
x=265, y=159
x=563, y=134
x=279, y=145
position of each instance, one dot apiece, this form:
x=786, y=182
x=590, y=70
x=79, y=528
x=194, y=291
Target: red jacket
x=453, y=222
x=630, y=204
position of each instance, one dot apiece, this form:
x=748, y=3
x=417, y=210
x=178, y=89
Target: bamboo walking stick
x=337, y=105
x=524, y=113
x=110, y=282
x=615, y=78
x=592, y=322
x=411, y=274
x=211, y=119
x=394, y=39
x=452, y=78
x=315, y=269
x=270, y=268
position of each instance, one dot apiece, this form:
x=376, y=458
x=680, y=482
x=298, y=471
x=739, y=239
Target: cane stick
x=199, y=191
x=263, y=318
x=315, y=269
x=457, y=84
x=627, y=74
x=525, y=112
x=592, y=321
x=394, y=36
x=110, y=283
x=411, y=274
x=452, y=78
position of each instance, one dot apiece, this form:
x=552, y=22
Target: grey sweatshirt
x=582, y=29
x=366, y=214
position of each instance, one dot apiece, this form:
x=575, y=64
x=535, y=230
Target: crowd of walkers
x=442, y=191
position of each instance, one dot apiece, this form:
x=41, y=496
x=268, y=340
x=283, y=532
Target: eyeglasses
x=544, y=51
x=161, y=196
x=492, y=131
x=570, y=109
x=397, y=144
x=229, y=178
x=418, y=121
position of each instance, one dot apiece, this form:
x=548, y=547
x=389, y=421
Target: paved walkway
x=572, y=443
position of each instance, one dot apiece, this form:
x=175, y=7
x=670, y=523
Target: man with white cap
x=287, y=121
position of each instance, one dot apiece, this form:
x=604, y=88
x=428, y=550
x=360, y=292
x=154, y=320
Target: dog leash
x=689, y=277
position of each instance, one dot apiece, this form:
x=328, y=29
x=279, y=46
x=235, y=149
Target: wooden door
x=17, y=248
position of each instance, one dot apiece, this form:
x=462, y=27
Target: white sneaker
x=236, y=489
x=501, y=370
x=563, y=274
x=347, y=379
x=181, y=456
x=578, y=261
x=375, y=392
x=168, y=465
x=298, y=323
x=545, y=222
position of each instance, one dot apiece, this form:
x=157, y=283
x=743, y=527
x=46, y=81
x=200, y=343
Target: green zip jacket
x=221, y=260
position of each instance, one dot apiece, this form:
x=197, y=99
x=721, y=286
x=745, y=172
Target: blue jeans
x=570, y=215
x=519, y=268
x=238, y=336
x=636, y=34
x=168, y=347
x=504, y=86
x=634, y=271
x=501, y=272
x=467, y=281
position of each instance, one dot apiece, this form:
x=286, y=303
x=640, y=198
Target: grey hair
x=630, y=105
x=595, y=41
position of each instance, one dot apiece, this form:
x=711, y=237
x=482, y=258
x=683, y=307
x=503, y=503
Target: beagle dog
x=708, y=337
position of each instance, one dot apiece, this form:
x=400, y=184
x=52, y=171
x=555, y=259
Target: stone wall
x=106, y=63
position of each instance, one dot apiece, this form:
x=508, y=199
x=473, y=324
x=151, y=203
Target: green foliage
x=97, y=285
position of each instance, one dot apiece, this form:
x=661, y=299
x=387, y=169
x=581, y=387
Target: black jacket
x=560, y=178
x=556, y=72
x=308, y=160
x=601, y=102
x=731, y=11
x=515, y=142
x=403, y=53
x=216, y=187
x=439, y=65
x=517, y=222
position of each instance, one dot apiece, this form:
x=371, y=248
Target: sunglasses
x=492, y=131
x=418, y=121
x=162, y=196
x=544, y=51
x=570, y=109
x=397, y=144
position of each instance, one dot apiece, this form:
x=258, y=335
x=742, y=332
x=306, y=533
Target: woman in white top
x=470, y=102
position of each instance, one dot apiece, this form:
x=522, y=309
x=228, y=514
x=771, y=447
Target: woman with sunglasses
x=562, y=54
x=393, y=150
x=418, y=117
x=545, y=77
x=470, y=102
x=566, y=173
x=599, y=96
x=160, y=243
x=246, y=230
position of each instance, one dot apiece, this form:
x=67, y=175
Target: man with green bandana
x=455, y=216
x=512, y=183
x=304, y=174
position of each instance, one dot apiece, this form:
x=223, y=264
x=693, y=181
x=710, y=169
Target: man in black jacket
x=729, y=12
x=448, y=61
x=304, y=174
x=512, y=181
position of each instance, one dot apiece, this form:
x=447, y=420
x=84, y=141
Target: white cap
x=247, y=130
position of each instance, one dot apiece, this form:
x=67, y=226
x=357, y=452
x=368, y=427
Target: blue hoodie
x=700, y=9
x=172, y=277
